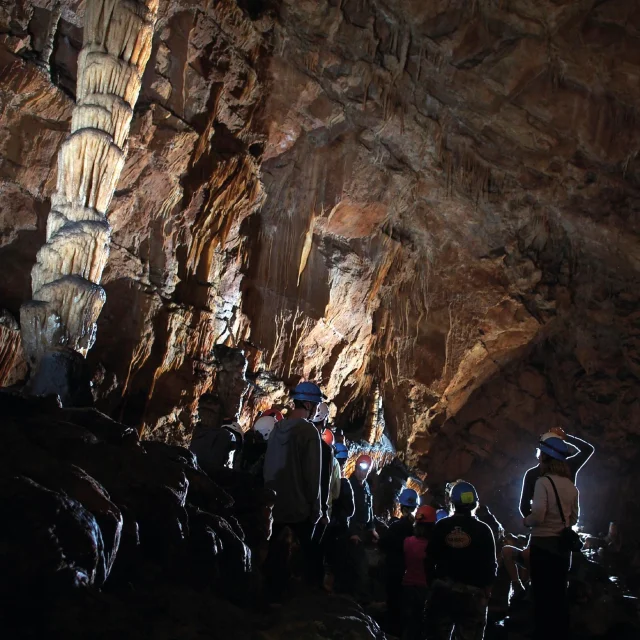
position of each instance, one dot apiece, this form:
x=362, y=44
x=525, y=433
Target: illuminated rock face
x=436, y=199
x=67, y=298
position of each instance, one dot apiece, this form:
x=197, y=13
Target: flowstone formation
x=67, y=297
x=434, y=199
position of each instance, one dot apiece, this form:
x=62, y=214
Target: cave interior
x=431, y=209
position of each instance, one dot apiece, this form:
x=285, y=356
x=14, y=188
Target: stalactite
x=67, y=297
x=52, y=29
x=374, y=426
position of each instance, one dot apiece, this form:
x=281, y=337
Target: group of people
x=440, y=560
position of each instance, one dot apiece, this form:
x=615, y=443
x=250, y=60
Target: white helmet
x=264, y=426
x=322, y=412
x=236, y=431
x=233, y=426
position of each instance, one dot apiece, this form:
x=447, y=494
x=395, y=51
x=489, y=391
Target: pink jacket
x=415, y=550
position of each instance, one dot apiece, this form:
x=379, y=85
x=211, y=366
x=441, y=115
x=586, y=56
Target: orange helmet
x=327, y=436
x=426, y=514
x=273, y=413
x=364, y=462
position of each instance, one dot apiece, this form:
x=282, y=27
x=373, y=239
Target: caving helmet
x=308, y=392
x=426, y=514
x=327, y=436
x=364, y=462
x=264, y=425
x=342, y=452
x=554, y=447
x=464, y=494
x=440, y=514
x=409, y=498
x=322, y=412
x=274, y=413
x=236, y=431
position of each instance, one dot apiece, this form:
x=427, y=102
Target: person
x=292, y=468
x=392, y=545
x=336, y=471
x=414, y=580
x=554, y=507
x=326, y=445
x=255, y=442
x=514, y=557
x=574, y=462
x=362, y=529
x=215, y=447
x=326, y=476
x=461, y=565
x=337, y=534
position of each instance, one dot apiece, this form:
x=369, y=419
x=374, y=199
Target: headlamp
x=364, y=466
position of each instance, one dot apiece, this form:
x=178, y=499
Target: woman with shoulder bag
x=554, y=511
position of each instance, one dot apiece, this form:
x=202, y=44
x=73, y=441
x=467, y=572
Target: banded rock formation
x=67, y=298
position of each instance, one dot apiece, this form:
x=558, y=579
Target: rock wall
x=429, y=198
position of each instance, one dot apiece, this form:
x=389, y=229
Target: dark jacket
x=212, y=445
x=392, y=544
x=325, y=476
x=462, y=549
x=253, y=453
x=363, y=516
x=292, y=470
x=343, y=507
x=575, y=462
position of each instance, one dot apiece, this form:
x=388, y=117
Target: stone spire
x=67, y=296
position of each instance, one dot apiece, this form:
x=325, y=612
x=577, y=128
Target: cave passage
x=429, y=210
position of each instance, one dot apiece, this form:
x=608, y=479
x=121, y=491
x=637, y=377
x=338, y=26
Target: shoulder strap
x=553, y=484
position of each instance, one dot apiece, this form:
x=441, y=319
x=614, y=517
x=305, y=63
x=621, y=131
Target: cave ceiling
x=437, y=199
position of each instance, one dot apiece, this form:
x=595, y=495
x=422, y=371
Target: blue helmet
x=342, y=453
x=441, y=513
x=308, y=392
x=464, y=494
x=554, y=447
x=409, y=498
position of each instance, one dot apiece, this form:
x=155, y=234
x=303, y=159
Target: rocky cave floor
x=108, y=536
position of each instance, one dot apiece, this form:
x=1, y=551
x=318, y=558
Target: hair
x=303, y=404
x=551, y=466
x=423, y=529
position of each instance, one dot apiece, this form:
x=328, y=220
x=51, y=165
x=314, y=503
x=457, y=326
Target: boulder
x=48, y=541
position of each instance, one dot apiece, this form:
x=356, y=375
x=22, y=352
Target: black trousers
x=413, y=601
x=395, y=597
x=336, y=540
x=290, y=552
x=358, y=570
x=317, y=554
x=549, y=575
x=455, y=609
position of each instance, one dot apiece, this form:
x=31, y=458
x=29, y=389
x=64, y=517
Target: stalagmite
x=67, y=296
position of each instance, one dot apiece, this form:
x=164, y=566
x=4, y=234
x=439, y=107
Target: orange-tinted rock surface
x=437, y=198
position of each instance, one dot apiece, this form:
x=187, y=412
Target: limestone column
x=67, y=296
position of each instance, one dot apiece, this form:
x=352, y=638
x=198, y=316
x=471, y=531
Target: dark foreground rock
x=106, y=536
x=87, y=504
